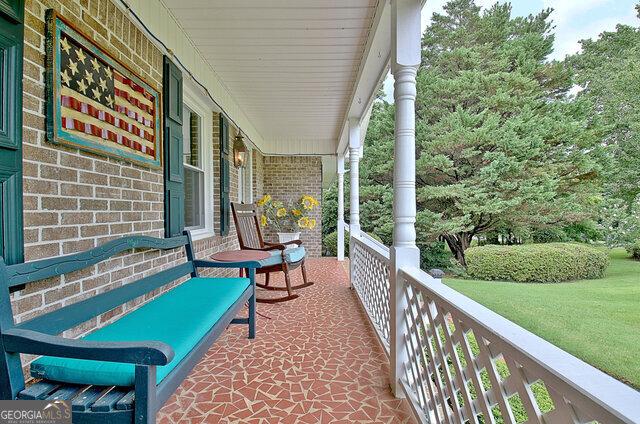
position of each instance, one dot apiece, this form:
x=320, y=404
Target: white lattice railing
x=466, y=364
x=370, y=280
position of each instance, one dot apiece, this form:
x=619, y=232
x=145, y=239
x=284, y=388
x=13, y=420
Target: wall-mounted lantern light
x=239, y=151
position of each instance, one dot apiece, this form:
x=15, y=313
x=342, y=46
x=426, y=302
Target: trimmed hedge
x=536, y=263
x=330, y=244
x=634, y=250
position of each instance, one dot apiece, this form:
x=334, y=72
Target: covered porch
x=376, y=339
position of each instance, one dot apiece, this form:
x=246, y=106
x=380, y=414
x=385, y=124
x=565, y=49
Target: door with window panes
x=194, y=217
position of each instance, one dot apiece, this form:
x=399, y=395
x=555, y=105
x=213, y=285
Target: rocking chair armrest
x=216, y=264
x=259, y=249
x=296, y=242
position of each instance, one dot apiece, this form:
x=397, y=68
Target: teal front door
x=11, y=39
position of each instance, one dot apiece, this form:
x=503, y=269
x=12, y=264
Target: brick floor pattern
x=314, y=360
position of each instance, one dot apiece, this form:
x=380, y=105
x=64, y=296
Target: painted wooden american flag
x=103, y=105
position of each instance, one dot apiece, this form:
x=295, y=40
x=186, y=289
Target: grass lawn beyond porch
x=596, y=320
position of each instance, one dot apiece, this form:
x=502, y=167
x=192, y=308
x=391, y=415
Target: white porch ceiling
x=291, y=65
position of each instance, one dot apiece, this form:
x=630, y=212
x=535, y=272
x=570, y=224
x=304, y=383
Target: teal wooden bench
x=123, y=372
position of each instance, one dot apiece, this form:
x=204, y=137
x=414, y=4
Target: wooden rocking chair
x=281, y=260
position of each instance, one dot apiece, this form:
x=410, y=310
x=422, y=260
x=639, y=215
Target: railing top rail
x=616, y=399
x=374, y=245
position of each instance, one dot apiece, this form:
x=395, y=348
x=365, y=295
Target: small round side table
x=240, y=256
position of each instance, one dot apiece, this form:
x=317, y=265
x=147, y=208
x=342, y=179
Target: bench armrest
x=33, y=342
x=198, y=263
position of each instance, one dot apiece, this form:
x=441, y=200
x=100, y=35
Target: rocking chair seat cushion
x=181, y=318
x=292, y=255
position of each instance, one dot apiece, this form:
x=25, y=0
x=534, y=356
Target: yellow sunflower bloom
x=296, y=212
x=281, y=212
x=265, y=199
x=303, y=222
x=263, y=220
x=309, y=202
x=312, y=224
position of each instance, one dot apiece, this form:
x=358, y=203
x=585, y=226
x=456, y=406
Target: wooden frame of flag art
x=95, y=102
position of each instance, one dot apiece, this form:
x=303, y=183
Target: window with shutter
x=173, y=148
x=11, y=40
x=225, y=205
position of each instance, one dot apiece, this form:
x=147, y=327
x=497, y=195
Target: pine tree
x=499, y=143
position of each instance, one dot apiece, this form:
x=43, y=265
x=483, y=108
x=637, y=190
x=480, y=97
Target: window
x=194, y=173
x=197, y=159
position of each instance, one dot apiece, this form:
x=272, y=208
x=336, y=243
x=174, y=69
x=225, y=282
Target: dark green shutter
x=11, y=40
x=225, y=206
x=173, y=166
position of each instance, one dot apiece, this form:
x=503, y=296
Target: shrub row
x=330, y=244
x=540, y=263
x=634, y=250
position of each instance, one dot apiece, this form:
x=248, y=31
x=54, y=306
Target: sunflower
x=281, y=212
x=308, y=202
x=312, y=223
x=263, y=220
x=296, y=212
x=303, y=222
x=265, y=199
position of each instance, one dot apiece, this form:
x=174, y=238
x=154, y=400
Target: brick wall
x=257, y=171
x=287, y=178
x=74, y=200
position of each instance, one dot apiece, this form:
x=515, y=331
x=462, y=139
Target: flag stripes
x=80, y=106
x=132, y=114
x=135, y=87
x=69, y=123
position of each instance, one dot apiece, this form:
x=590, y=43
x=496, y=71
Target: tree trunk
x=458, y=243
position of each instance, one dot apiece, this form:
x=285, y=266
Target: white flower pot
x=286, y=237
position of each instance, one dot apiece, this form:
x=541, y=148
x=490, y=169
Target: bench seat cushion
x=180, y=318
x=292, y=254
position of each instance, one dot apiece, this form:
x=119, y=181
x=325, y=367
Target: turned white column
x=354, y=190
x=405, y=59
x=354, y=186
x=340, y=208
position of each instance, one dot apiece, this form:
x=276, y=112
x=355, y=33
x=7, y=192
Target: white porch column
x=405, y=59
x=354, y=160
x=341, y=208
x=354, y=189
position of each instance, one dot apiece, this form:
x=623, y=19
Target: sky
x=574, y=20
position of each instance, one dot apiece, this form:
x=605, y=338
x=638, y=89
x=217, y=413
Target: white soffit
x=291, y=65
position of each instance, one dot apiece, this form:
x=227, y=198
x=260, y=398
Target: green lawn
x=596, y=320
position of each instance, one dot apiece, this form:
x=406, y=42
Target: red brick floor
x=316, y=360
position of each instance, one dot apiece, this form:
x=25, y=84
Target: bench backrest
x=15, y=277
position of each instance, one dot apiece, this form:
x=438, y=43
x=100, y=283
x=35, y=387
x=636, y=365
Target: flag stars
x=64, y=45
x=66, y=79
x=108, y=72
x=80, y=55
x=109, y=100
x=103, y=84
x=95, y=64
x=73, y=67
x=89, y=77
x=82, y=87
x=96, y=93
